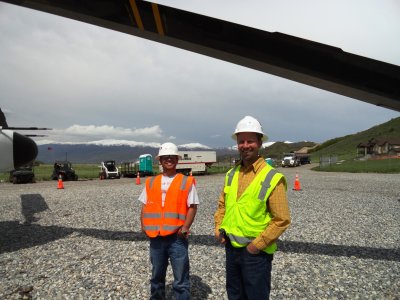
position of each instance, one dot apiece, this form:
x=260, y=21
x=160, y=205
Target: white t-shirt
x=193, y=198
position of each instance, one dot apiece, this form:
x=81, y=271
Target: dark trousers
x=175, y=249
x=248, y=276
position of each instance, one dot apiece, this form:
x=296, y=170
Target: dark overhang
x=318, y=65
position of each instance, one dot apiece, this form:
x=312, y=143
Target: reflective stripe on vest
x=152, y=181
x=265, y=185
x=239, y=239
x=174, y=216
x=152, y=215
x=231, y=174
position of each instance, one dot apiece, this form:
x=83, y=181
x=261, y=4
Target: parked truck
x=109, y=170
x=290, y=160
x=294, y=159
x=195, y=162
x=304, y=158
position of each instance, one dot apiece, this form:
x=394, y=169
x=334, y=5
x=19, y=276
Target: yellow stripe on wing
x=136, y=14
x=157, y=18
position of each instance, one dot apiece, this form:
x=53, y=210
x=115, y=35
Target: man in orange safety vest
x=169, y=205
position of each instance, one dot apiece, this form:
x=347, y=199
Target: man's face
x=169, y=162
x=248, y=145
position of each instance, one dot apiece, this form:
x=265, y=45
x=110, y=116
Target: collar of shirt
x=255, y=167
x=246, y=175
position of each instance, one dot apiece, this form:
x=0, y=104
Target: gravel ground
x=84, y=242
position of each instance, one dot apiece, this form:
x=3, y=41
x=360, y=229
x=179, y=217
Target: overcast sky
x=89, y=83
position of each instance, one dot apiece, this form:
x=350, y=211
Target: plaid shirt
x=277, y=205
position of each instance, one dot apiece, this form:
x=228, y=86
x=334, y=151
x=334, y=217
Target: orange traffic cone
x=297, y=184
x=138, y=178
x=60, y=183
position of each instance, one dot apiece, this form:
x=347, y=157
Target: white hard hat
x=249, y=124
x=167, y=149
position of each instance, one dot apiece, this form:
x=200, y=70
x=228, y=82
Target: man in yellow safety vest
x=252, y=213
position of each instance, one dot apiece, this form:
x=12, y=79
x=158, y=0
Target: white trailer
x=195, y=162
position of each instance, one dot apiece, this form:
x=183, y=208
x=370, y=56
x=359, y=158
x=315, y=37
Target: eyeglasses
x=165, y=157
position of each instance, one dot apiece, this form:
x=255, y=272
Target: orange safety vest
x=158, y=220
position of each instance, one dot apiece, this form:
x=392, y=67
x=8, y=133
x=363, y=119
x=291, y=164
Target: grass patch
x=366, y=166
x=43, y=172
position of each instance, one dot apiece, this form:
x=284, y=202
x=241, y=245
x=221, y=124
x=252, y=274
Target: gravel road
x=84, y=242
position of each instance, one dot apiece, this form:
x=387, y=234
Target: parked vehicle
x=143, y=166
x=63, y=170
x=195, y=162
x=109, y=170
x=23, y=174
x=128, y=169
x=304, y=158
x=290, y=160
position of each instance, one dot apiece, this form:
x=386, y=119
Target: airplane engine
x=15, y=150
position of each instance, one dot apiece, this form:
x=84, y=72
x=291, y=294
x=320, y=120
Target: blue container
x=146, y=163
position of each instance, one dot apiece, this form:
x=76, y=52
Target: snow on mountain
x=111, y=142
x=194, y=146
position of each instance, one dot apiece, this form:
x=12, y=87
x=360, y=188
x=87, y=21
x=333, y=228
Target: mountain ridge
x=92, y=153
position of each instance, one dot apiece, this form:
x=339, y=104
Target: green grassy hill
x=346, y=147
x=276, y=150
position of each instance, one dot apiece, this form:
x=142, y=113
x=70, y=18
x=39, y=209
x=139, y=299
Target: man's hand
x=221, y=236
x=252, y=249
x=183, y=232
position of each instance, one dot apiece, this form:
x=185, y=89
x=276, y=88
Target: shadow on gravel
x=339, y=250
x=15, y=236
x=199, y=290
x=30, y=205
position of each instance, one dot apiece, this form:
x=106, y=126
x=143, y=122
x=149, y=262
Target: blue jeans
x=248, y=276
x=175, y=249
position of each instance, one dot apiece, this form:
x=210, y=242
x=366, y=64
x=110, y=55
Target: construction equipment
x=109, y=170
x=65, y=170
x=23, y=174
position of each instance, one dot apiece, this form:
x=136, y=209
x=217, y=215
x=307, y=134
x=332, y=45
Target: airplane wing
x=293, y=58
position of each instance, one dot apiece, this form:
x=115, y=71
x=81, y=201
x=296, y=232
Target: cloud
x=110, y=131
x=90, y=133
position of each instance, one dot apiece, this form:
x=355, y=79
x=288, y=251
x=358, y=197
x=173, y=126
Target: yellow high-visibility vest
x=245, y=218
